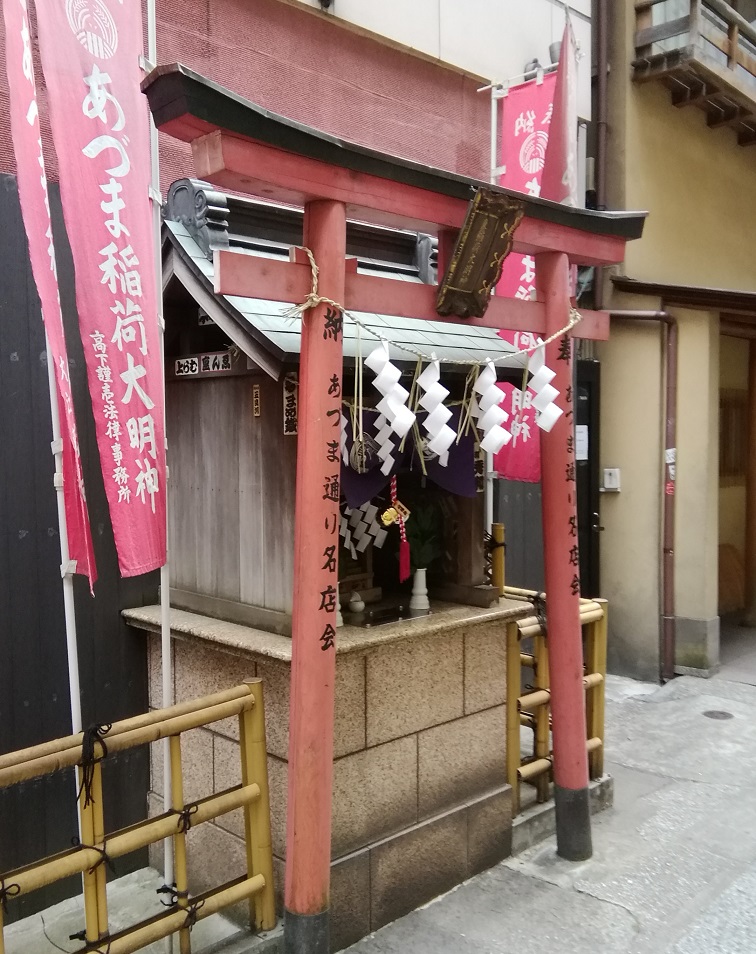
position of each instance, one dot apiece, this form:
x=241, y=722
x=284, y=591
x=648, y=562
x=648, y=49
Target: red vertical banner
x=520, y=459
x=559, y=180
x=525, y=124
x=35, y=209
x=90, y=57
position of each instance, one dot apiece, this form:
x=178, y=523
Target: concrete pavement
x=674, y=866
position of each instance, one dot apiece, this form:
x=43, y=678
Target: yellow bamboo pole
x=254, y=765
x=98, y=832
x=179, y=841
x=530, y=626
x=2, y=931
x=138, y=937
x=532, y=700
x=542, y=745
x=497, y=557
x=127, y=740
x=89, y=877
x=513, y=713
x=136, y=722
x=517, y=593
x=596, y=665
x=534, y=769
x=76, y=860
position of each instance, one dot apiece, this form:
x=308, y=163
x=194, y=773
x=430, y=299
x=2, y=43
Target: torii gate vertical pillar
x=562, y=572
x=316, y=547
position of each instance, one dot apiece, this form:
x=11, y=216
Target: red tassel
x=404, y=559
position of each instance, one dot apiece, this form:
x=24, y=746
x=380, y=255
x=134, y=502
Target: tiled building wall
x=313, y=70
x=419, y=802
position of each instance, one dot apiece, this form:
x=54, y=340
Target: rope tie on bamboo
x=104, y=859
x=8, y=891
x=169, y=889
x=539, y=605
x=191, y=914
x=185, y=818
x=89, y=757
x=314, y=299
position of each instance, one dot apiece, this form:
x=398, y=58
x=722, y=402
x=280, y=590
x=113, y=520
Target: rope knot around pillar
x=92, y=736
x=185, y=818
x=192, y=912
x=8, y=891
x=104, y=858
x=539, y=605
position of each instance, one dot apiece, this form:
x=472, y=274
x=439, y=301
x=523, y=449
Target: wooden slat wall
x=231, y=491
x=38, y=818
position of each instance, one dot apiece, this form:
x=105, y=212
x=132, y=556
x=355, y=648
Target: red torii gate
x=239, y=146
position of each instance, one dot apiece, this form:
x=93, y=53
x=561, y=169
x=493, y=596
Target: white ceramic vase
x=419, y=599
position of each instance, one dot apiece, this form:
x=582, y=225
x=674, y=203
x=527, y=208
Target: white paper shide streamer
x=440, y=435
x=395, y=417
x=486, y=408
x=360, y=527
x=545, y=393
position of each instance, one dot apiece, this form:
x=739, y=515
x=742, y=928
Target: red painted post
x=316, y=545
x=562, y=572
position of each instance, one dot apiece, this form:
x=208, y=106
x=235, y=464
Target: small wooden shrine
x=233, y=415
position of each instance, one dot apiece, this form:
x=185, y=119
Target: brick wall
x=310, y=69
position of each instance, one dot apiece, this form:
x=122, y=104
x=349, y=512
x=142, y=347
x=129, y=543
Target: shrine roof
x=188, y=106
x=270, y=338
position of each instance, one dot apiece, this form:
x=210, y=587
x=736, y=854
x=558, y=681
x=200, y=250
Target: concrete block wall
x=419, y=796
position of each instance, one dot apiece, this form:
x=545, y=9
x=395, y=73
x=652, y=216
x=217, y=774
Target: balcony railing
x=704, y=51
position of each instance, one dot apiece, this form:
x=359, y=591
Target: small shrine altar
x=332, y=365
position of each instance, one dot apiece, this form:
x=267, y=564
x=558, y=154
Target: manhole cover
x=718, y=714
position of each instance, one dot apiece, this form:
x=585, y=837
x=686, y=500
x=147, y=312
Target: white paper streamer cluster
x=486, y=408
x=395, y=417
x=545, y=393
x=440, y=435
x=359, y=527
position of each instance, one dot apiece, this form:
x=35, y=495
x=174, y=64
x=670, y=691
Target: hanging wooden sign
x=290, y=402
x=484, y=242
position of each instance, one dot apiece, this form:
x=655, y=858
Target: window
x=733, y=436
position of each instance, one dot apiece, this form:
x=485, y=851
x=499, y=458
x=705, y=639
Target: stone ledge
x=244, y=640
x=538, y=822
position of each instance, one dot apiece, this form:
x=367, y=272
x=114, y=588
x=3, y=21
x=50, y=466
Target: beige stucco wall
x=697, y=511
x=733, y=374
x=631, y=440
x=699, y=188
x=698, y=185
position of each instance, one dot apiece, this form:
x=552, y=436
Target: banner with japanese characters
x=525, y=121
x=520, y=459
x=90, y=57
x=559, y=179
x=35, y=209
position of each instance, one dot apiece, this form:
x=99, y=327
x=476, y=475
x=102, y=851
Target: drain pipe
x=602, y=110
x=668, y=623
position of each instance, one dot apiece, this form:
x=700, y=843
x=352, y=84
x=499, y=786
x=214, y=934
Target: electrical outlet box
x=611, y=480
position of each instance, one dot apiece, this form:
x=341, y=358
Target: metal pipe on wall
x=668, y=622
x=166, y=658
x=602, y=109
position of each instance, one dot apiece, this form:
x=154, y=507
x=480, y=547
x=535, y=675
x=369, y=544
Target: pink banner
x=35, y=209
x=525, y=123
x=559, y=180
x=521, y=458
x=90, y=57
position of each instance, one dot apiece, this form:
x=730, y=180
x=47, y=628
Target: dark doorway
x=518, y=505
x=587, y=454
